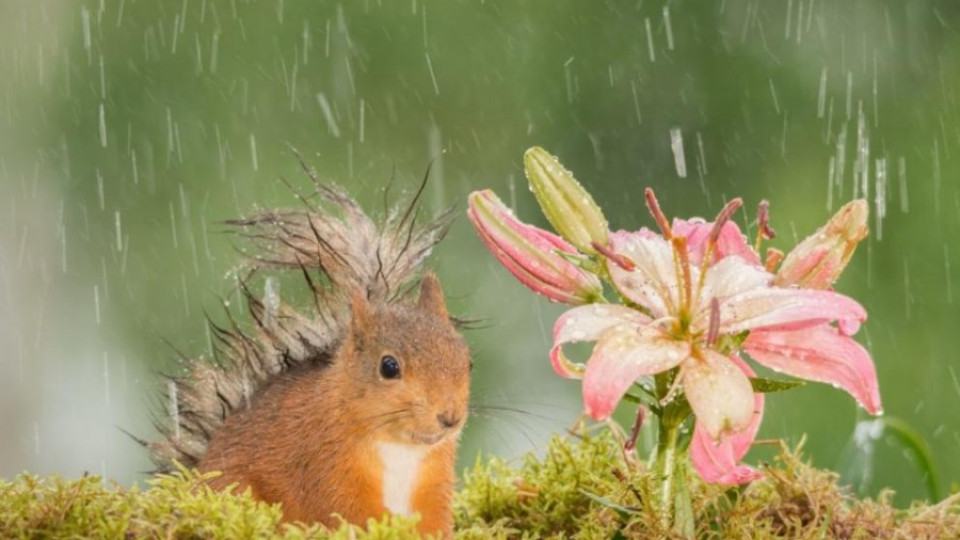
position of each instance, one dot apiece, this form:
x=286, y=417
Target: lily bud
x=568, y=207
x=818, y=260
x=531, y=254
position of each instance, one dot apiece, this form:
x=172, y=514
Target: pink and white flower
x=696, y=288
x=695, y=296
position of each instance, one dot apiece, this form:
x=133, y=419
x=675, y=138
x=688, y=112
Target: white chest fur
x=401, y=465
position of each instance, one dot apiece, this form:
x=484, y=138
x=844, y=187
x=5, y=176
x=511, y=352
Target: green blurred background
x=129, y=129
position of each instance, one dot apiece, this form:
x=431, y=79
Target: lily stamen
x=714, y=329
x=680, y=248
x=674, y=387
x=722, y=218
x=764, y=231
x=772, y=259
x=614, y=257
x=654, y=207
x=631, y=442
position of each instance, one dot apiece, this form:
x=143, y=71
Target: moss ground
x=580, y=489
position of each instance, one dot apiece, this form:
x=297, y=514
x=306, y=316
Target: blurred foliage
x=129, y=130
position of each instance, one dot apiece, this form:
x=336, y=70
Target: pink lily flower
x=696, y=294
x=531, y=254
x=678, y=330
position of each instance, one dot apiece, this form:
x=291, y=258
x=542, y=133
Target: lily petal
x=780, y=308
x=819, y=259
x=729, y=277
x=653, y=283
x=719, y=393
x=719, y=462
x=587, y=323
x=819, y=353
x=623, y=355
x=564, y=367
x=730, y=241
x=530, y=253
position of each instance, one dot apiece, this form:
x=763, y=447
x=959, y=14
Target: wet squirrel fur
x=301, y=409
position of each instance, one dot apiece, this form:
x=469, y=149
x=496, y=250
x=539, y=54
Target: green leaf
x=912, y=441
x=643, y=397
x=767, y=386
x=683, y=506
x=860, y=461
x=624, y=512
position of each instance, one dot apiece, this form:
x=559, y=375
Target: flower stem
x=666, y=467
x=673, y=495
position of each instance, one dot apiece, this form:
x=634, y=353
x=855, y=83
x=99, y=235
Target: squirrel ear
x=431, y=296
x=360, y=316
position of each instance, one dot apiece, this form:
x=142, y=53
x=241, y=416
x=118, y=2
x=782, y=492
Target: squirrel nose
x=448, y=419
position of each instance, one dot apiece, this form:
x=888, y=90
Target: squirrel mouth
x=427, y=438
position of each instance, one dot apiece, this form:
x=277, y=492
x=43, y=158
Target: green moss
x=580, y=489
x=174, y=506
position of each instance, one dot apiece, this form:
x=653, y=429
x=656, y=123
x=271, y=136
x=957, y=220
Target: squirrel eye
x=389, y=367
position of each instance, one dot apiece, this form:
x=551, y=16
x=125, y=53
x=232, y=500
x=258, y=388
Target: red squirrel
x=354, y=410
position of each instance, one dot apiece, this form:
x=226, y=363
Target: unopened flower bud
x=568, y=207
x=531, y=254
x=818, y=260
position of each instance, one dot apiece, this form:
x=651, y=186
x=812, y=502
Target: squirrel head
x=407, y=367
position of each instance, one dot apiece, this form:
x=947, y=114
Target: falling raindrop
x=773, y=94
x=936, y=176
x=647, y=26
x=568, y=78
x=116, y=219
x=214, y=51
x=668, y=26
x=861, y=167
x=676, y=146
x=435, y=144
x=433, y=76
x=902, y=173
x=103, y=127
x=702, y=157
x=173, y=407
x=946, y=266
x=253, y=152
x=822, y=94
x=328, y=115
x=362, y=123
x=271, y=301
x=85, y=18
x=880, y=169
x=636, y=103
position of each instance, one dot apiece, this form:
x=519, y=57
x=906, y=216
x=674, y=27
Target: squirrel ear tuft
x=431, y=296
